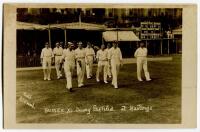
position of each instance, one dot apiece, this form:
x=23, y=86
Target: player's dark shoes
x=70, y=90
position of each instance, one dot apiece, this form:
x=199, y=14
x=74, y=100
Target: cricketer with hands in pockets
x=141, y=58
x=46, y=61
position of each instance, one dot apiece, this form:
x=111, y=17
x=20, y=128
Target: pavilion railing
x=28, y=61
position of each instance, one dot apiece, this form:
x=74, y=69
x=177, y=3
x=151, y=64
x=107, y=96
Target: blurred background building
x=122, y=17
x=159, y=28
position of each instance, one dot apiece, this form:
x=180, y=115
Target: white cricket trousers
x=46, y=64
x=115, y=66
x=69, y=69
x=102, y=65
x=89, y=66
x=80, y=71
x=57, y=65
x=142, y=64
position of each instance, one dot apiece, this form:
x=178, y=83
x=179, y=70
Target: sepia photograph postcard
x=99, y=65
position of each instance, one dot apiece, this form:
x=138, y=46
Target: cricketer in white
x=69, y=64
x=115, y=58
x=46, y=60
x=90, y=55
x=58, y=51
x=141, y=56
x=102, y=59
x=80, y=62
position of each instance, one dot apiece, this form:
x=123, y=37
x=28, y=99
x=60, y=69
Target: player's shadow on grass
x=135, y=82
x=150, y=89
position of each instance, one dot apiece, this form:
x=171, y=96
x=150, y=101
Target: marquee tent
x=64, y=26
x=30, y=26
x=74, y=25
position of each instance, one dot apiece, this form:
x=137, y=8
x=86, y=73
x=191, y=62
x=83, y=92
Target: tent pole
x=65, y=33
x=79, y=19
x=35, y=45
x=49, y=32
x=146, y=44
x=176, y=46
x=161, y=47
x=168, y=47
x=117, y=35
x=102, y=38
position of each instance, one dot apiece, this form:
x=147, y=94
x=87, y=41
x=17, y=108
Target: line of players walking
x=109, y=61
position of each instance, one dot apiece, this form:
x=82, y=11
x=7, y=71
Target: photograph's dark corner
x=99, y=65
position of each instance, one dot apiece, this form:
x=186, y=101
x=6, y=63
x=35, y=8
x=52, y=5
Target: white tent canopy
x=30, y=26
x=74, y=25
x=64, y=26
x=110, y=36
x=78, y=25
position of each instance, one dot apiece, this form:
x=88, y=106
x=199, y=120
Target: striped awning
x=110, y=36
